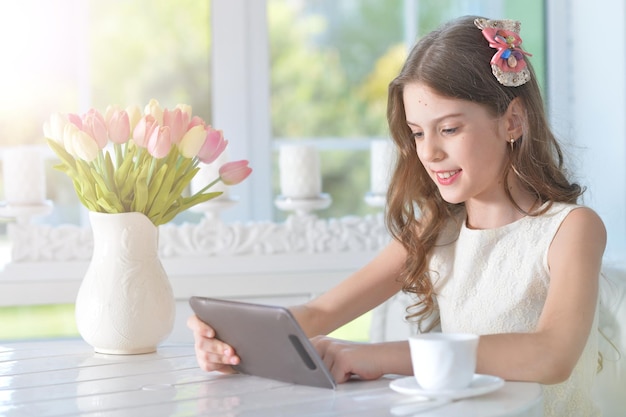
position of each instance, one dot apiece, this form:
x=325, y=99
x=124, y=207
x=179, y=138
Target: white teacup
x=443, y=361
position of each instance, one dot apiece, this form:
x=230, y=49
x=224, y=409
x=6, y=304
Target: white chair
x=388, y=324
x=610, y=387
x=388, y=320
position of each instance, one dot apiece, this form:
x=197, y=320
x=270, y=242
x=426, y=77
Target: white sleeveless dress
x=496, y=281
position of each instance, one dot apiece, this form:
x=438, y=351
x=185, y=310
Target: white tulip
x=54, y=127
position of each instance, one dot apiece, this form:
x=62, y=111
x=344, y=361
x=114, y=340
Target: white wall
x=587, y=96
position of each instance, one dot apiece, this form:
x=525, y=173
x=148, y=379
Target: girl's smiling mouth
x=447, y=177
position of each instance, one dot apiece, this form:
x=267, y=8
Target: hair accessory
x=508, y=64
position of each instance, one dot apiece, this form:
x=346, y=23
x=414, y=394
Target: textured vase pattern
x=125, y=304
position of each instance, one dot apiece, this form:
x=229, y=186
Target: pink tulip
x=74, y=118
x=232, y=173
x=119, y=126
x=186, y=109
x=213, y=146
x=177, y=121
x=159, y=142
x=196, y=121
x=95, y=126
x=144, y=129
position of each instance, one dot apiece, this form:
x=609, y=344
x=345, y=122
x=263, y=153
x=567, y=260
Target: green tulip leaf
x=63, y=155
x=141, y=191
x=158, y=188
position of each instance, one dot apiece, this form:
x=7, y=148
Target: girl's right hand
x=212, y=354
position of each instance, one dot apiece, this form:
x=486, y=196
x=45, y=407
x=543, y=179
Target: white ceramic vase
x=125, y=304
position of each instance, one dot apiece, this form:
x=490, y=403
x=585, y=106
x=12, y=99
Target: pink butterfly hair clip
x=508, y=64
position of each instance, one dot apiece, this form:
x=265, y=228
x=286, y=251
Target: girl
x=486, y=231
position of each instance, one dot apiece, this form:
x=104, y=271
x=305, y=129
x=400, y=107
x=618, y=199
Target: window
x=71, y=55
x=68, y=55
x=331, y=62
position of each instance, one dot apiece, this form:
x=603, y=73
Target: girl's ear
x=515, y=118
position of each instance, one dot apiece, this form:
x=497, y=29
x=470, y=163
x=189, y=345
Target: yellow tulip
x=154, y=109
x=192, y=141
x=79, y=144
x=134, y=115
x=186, y=109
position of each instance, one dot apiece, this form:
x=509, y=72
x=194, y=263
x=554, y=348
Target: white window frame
x=241, y=98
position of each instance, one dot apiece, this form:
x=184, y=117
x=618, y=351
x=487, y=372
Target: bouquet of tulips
x=128, y=161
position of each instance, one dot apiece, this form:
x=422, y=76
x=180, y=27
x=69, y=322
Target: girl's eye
x=449, y=131
x=417, y=135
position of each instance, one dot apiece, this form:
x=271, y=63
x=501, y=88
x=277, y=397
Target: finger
x=214, y=346
x=335, y=367
x=199, y=327
x=211, y=359
x=320, y=343
x=210, y=362
x=216, y=351
x=339, y=370
x=323, y=347
x=331, y=352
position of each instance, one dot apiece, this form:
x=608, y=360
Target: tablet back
x=268, y=340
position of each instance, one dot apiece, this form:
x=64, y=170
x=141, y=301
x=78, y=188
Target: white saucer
x=31, y=210
x=303, y=204
x=481, y=384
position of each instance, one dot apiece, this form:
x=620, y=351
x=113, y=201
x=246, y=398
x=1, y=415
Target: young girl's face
x=460, y=144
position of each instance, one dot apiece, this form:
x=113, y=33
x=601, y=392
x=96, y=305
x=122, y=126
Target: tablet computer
x=267, y=339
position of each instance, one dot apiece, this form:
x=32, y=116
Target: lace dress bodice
x=496, y=281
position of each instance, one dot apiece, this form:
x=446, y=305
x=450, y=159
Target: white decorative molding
x=280, y=262
x=211, y=237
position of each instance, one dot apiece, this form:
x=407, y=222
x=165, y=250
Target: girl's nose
x=429, y=149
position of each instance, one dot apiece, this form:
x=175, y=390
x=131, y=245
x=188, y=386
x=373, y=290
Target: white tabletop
x=65, y=378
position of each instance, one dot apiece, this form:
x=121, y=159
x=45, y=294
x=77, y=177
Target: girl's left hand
x=345, y=359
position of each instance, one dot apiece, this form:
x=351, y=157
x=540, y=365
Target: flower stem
x=211, y=184
x=118, y=154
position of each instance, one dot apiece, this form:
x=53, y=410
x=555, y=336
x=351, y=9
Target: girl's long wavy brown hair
x=454, y=61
